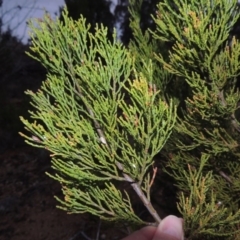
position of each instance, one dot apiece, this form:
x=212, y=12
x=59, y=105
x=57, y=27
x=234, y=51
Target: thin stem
x=225, y=176
x=140, y=193
x=153, y=177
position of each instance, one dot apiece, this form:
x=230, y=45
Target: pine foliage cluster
x=106, y=111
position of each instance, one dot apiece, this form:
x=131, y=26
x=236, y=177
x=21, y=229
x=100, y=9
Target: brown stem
x=153, y=177
x=140, y=193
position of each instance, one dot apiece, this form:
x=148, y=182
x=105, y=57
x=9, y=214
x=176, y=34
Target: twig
x=140, y=193
x=135, y=185
x=225, y=176
x=153, y=177
x=103, y=140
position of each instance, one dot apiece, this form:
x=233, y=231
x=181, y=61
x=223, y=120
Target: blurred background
x=14, y=14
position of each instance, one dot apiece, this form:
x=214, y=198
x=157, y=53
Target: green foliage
x=100, y=119
x=203, y=215
x=106, y=111
x=205, y=60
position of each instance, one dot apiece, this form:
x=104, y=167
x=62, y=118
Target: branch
x=135, y=185
x=153, y=177
x=141, y=195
